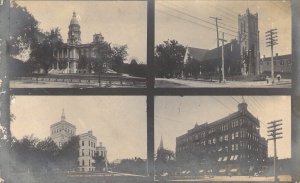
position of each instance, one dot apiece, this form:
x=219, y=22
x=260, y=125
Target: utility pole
x=217, y=27
x=274, y=134
x=271, y=38
x=223, y=64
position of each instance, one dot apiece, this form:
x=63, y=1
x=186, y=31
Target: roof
x=197, y=53
x=279, y=57
x=74, y=20
x=205, y=54
x=61, y=122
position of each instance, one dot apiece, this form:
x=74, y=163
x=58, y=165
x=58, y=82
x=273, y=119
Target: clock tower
x=249, y=43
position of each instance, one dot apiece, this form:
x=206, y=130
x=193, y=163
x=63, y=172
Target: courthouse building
x=231, y=145
x=68, y=55
x=62, y=131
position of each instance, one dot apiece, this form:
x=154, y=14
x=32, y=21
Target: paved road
x=180, y=83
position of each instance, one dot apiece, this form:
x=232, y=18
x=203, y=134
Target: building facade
x=249, y=43
x=87, y=151
x=231, y=145
x=68, y=55
x=282, y=64
x=241, y=56
x=62, y=131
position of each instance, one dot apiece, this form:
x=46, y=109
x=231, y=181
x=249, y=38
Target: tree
x=169, y=58
x=23, y=29
x=133, y=67
x=69, y=153
x=41, y=56
x=165, y=161
x=192, y=67
x=119, y=54
x=100, y=163
x=103, y=56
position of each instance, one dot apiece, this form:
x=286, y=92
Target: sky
x=171, y=122
x=118, y=122
x=183, y=18
x=119, y=22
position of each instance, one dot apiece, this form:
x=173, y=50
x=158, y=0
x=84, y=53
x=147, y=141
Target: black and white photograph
x=232, y=44
x=78, y=139
x=223, y=138
x=78, y=44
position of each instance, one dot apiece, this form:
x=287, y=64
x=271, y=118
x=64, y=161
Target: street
x=180, y=83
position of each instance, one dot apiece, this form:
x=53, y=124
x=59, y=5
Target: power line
x=192, y=16
x=190, y=21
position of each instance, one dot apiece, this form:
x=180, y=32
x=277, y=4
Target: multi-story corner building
x=231, y=145
x=87, y=151
x=62, y=131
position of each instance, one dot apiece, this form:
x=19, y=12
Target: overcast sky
x=174, y=116
x=118, y=122
x=119, y=22
x=170, y=23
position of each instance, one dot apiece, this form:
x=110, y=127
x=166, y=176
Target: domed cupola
x=74, y=31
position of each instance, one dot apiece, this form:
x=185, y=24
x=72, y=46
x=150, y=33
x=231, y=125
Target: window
x=236, y=147
x=82, y=143
x=232, y=136
x=82, y=152
x=226, y=137
x=232, y=147
x=82, y=162
x=214, y=140
x=221, y=138
x=236, y=134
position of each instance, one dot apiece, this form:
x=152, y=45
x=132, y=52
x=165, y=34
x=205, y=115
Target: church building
x=241, y=56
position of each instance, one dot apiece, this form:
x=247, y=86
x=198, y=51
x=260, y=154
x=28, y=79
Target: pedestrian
x=278, y=77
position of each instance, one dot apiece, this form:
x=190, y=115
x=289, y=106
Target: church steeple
x=63, y=117
x=161, y=145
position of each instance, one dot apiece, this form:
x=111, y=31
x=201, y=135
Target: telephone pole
x=271, y=38
x=223, y=64
x=217, y=28
x=274, y=134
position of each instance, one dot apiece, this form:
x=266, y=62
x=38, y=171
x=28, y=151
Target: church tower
x=249, y=43
x=74, y=31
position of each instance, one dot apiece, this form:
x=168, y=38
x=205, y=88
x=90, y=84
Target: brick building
x=229, y=146
x=282, y=64
x=62, y=131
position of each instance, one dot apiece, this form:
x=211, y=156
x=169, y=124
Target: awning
x=201, y=171
x=183, y=172
x=231, y=158
x=233, y=170
x=225, y=158
x=188, y=172
x=222, y=170
x=220, y=159
x=220, y=149
x=236, y=157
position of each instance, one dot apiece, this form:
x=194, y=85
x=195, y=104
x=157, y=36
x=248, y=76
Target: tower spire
x=63, y=117
x=161, y=145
